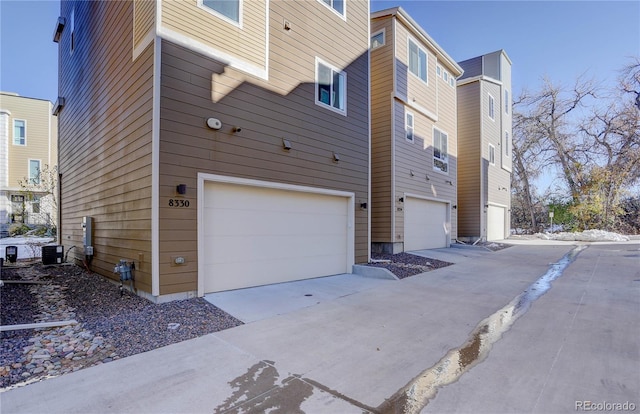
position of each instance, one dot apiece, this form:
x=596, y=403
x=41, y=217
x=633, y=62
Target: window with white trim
x=72, y=27
x=506, y=143
x=331, y=87
x=440, y=154
x=19, y=132
x=452, y=82
x=34, y=171
x=439, y=71
x=336, y=5
x=377, y=39
x=227, y=9
x=417, y=60
x=492, y=109
x=506, y=101
x=492, y=155
x=408, y=126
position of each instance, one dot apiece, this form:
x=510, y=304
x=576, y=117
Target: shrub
x=18, y=229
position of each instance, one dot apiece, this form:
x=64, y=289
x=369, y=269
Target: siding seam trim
x=155, y=170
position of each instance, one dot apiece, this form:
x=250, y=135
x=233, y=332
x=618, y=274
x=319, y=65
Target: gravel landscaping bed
x=110, y=325
x=405, y=264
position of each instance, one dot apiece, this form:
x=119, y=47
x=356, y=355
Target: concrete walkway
x=349, y=354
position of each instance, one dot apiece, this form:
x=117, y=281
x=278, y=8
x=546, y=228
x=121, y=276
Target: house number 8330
x=178, y=203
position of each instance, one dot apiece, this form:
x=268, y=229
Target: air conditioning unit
x=52, y=255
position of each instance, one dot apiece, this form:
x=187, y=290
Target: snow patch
x=585, y=236
x=28, y=247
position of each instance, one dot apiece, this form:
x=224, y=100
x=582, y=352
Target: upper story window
x=439, y=71
x=331, y=87
x=492, y=155
x=72, y=29
x=492, y=107
x=417, y=60
x=452, y=81
x=408, y=126
x=19, y=132
x=506, y=101
x=506, y=143
x=440, y=154
x=227, y=9
x=34, y=171
x=336, y=5
x=377, y=39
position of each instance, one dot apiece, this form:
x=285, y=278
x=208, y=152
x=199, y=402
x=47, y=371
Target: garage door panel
x=255, y=235
x=426, y=225
x=495, y=223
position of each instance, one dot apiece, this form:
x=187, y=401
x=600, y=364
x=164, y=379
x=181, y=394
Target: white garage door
x=425, y=224
x=495, y=223
x=256, y=236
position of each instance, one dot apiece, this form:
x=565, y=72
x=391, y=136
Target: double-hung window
x=34, y=171
x=408, y=126
x=417, y=60
x=337, y=5
x=229, y=9
x=492, y=107
x=377, y=40
x=492, y=155
x=440, y=155
x=331, y=87
x=506, y=101
x=19, y=132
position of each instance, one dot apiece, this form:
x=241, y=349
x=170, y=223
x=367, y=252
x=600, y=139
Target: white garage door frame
x=438, y=200
x=505, y=210
x=206, y=177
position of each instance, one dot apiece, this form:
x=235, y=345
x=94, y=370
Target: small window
x=19, y=132
x=445, y=76
x=331, y=87
x=506, y=143
x=337, y=5
x=408, y=126
x=35, y=204
x=229, y=9
x=452, y=82
x=506, y=101
x=417, y=61
x=492, y=155
x=492, y=113
x=377, y=40
x=440, y=155
x=34, y=171
x=72, y=27
x=439, y=71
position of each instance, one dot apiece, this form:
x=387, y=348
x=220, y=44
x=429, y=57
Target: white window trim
x=426, y=60
x=407, y=126
x=336, y=12
x=433, y=144
x=221, y=16
x=29, y=169
x=492, y=107
x=317, y=100
x=13, y=132
x=384, y=38
x=492, y=151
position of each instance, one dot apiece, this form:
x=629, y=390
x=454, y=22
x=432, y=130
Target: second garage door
x=495, y=223
x=425, y=224
x=256, y=236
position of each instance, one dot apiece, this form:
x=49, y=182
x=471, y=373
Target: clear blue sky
x=561, y=39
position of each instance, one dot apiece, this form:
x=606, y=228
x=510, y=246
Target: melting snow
x=587, y=235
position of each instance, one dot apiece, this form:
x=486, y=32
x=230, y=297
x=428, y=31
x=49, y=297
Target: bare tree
x=43, y=191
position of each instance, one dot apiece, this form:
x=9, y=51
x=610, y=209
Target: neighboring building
x=28, y=144
x=413, y=135
x=215, y=144
x=484, y=132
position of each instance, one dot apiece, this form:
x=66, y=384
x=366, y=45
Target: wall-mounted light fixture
x=336, y=157
x=363, y=206
x=236, y=129
x=427, y=177
x=401, y=199
x=181, y=189
x=287, y=25
x=286, y=144
x=57, y=32
x=214, y=123
x=57, y=107
x=411, y=173
x=449, y=182
x=454, y=206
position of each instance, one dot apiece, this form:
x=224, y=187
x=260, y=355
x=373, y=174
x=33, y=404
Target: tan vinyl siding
x=105, y=139
x=200, y=24
x=382, y=204
x=267, y=113
x=469, y=140
x=495, y=178
x=41, y=135
x=144, y=12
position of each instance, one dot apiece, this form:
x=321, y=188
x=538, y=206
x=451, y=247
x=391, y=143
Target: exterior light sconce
x=454, y=206
x=426, y=176
x=287, y=25
x=363, y=206
x=214, y=123
x=449, y=182
x=401, y=199
x=57, y=107
x=181, y=189
x=57, y=33
x=236, y=129
x=336, y=157
x=286, y=144
x=411, y=173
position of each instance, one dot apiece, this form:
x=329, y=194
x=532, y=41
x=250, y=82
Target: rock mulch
x=405, y=264
x=110, y=325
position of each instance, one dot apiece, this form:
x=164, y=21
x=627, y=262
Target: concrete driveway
x=578, y=342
